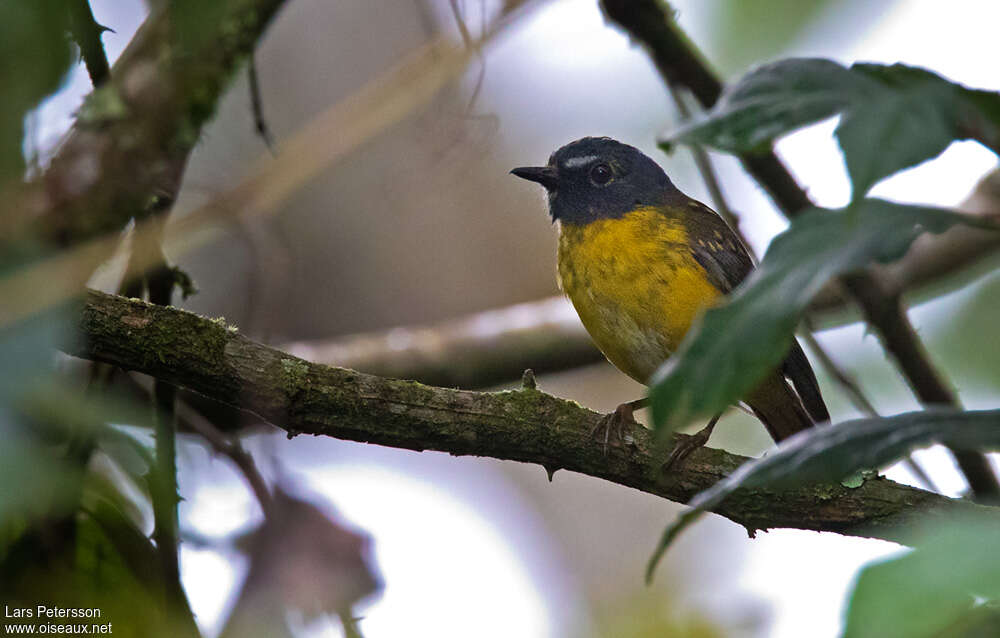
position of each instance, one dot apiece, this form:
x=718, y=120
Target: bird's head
x=598, y=178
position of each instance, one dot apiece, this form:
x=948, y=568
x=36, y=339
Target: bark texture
x=213, y=359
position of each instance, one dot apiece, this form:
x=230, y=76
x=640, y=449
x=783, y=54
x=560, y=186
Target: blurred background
x=422, y=223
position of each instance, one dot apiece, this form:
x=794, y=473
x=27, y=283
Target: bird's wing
x=717, y=248
x=796, y=367
x=726, y=260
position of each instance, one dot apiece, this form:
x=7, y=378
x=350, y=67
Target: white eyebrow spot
x=575, y=162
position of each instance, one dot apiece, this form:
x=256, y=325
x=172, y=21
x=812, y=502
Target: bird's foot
x=689, y=444
x=612, y=426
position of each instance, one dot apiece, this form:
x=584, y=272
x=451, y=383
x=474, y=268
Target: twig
x=678, y=61
x=525, y=425
x=350, y=625
x=900, y=340
x=87, y=34
x=257, y=105
x=469, y=43
x=160, y=285
x=707, y=172
x=165, y=495
x=460, y=21
x=231, y=449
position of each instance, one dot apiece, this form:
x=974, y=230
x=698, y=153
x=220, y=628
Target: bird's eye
x=601, y=174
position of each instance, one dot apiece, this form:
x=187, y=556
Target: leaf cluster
x=891, y=118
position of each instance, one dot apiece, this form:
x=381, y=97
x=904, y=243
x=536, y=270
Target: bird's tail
x=779, y=408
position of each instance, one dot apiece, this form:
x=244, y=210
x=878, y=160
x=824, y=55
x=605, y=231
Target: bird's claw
x=613, y=426
x=686, y=445
x=684, y=448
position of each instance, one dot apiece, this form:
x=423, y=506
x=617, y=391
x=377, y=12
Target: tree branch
x=678, y=61
x=935, y=261
x=162, y=89
x=527, y=425
x=87, y=34
x=475, y=351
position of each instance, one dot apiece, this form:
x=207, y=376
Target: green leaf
x=734, y=346
x=893, y=117
x=131, y=546
x=930, y=590
x=104, y=563
x=830, y=454
x=914, y=117
x=772, y=100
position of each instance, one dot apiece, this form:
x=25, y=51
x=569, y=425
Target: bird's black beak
x=544, y=175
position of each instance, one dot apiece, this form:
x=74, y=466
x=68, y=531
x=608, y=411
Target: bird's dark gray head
x=599, y=178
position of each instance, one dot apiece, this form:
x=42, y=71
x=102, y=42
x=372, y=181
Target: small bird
x=640, y=260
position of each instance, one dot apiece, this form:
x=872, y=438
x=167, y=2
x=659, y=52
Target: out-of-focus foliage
x=738, y=343
x=35, y=55
x=653, y=616
x=29, y=442
x=75, y=484
x=69, y=536
x=892, y=117
x=760, y=29
x=949, y=585
x=961, y=346
x=300, y=560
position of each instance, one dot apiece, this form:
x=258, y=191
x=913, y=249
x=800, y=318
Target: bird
x=640, y=261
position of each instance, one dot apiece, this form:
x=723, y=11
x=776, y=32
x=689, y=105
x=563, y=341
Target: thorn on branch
x=87, y=34
x=550, y=470
x=231, y=448
x=528, y=381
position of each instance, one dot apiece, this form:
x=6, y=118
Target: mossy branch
x=133, y=133
x=213, y=359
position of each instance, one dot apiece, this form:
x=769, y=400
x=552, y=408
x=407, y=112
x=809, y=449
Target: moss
x=412, y=392
x=102, y=106
x=825, y=492
x=294, y=374
x=536, y=407
x=166, y=334
x=520, y=404
x=858, y=479
x=854, y=481
x=222, y=323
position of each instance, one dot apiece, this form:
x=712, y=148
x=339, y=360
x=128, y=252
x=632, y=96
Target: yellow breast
x=635, y=285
